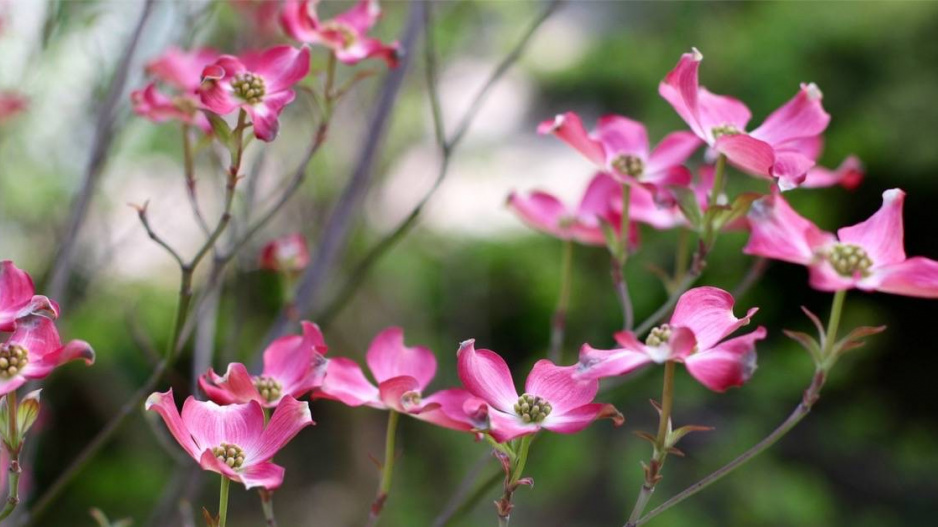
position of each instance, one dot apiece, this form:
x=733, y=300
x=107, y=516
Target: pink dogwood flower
x=775, y=149
x=620, y=147
x=11, y=103
x=293, y=366
x=181, y=72
x=695, y=336
x=849, y=174
x=544, y=212
x=233, y=440
x=287, y=254
x=868, y=256
x=345, y=34
x=260, y=83
x=402, y=374
x=18, y=298
x=554, y=397
x=34, y=349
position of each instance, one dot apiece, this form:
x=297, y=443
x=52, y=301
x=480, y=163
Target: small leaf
x=807, y=342
x=210, y=521
x=855, y=338
x=646, y=436
x=690, y=208
x=677, y=435
x=738, y=209
x=817, y=321
x=220, y=127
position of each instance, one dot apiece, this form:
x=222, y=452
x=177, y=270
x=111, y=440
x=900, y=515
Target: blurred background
x=867, y=455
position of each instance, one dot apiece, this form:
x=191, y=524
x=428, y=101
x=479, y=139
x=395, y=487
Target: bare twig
x=361, y=270
x=101, y=144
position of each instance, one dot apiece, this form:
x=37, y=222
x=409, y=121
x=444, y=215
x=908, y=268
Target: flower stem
x=559, y=320
x=653, y=469
x=830, y=338
x=619, y=261
x=13, y=480
x=522, y=459
x=387, y=469
x=223, y=502
x=518, y=461
x=717, y=189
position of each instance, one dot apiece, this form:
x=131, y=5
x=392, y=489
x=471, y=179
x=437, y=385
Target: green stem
x=559, y=321
x=653, y=470
x=387, y=469
x=681, y=256
x=718, y=177
x=267, y=504
x=522, y=460
x=830, y=338
x=223, y=502
x=13, y=480
x=619, y=261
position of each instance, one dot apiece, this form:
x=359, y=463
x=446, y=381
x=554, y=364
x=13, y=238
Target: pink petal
x=729, y=364
x=916, y=276
x=16, y=292
x=299, y=21
x=708, y=312
x=236, y=386
x=560, y=386
x=290, y=359
x=217, y=97
x=401, y=394
x=486, y=375
x=597, y=364
x=181, y=69
x=849, y=175
x=388, y=357
x=457, y=409
x=165, y=405
x=288, y=419
x=280, y=66
x=362, y=16
x=266, y=475
x=541, y=211
x=747, y=153
x=507, y=426
x=791, y=169
x=721, y=110
x=288, y=253
x=644, y=208
x=881, y=236
x=802, y=116
x=346, y=383
x=576, y=419
x=675, y=176
x=211, y=424
x=569, y=128
x=599, y=195
x=367, y=48
x=38, y=335
x=10, y=384
x=778, y=232
x=673, y=150
x=266, y=114
x=681, y=88
x=823, y=277
x=621, y=135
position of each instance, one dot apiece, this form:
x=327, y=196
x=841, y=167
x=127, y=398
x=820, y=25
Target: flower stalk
x=653, y=468
x=223, y=502
x=13, y=481
x=387, y=469
x=513, y=460
x=267, y=504
x=619, y=261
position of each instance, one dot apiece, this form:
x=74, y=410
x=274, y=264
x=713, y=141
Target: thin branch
x=697, y=267
x=144, y=219
x=335, y=234
x=103, y=137
x=446, y=147
x=755, y=272
x=459, y=498
x=811, y=395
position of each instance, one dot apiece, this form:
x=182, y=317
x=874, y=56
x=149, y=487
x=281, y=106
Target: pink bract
x=18, y=298
x=233, y=440
x=776, y=149
x=546, y=213
x=260, y=83
x=346, y=34
x=293, y=366
x=869, y=256
x=287, y=254
x=34, y=349
x=180, y=71
x=620, y=147
x=696, y=336
x=402, y=374
x=555, y=398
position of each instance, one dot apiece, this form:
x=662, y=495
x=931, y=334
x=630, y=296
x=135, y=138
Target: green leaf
x=687, y=202
x=856, y=338
x=807, y=342
x=220, y=127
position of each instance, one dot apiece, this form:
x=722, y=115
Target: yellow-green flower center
x=848, y=260
x=13, y=358
x=229, y=454
x=659, y=335
x=269, y=388
x=249, y=87
x=629, y=165
x=726, y=129
x=532, y=409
